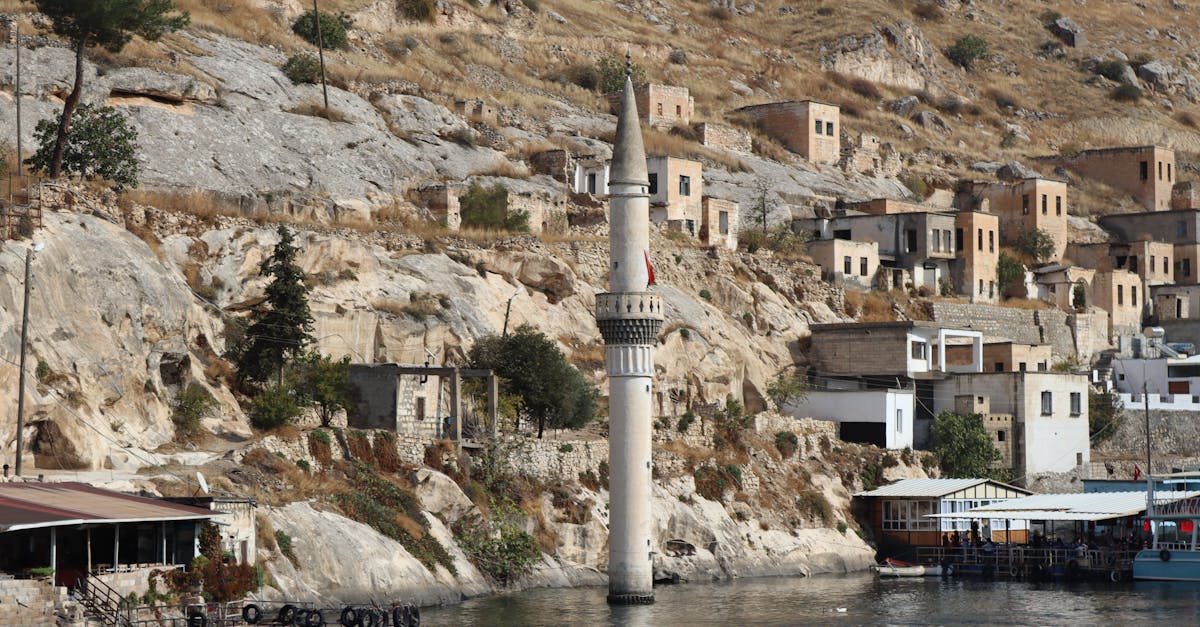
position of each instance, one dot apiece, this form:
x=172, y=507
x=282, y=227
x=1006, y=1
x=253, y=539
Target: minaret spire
x=630, y=318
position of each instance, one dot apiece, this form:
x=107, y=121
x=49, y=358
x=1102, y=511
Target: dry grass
x=194, y=202
x=872, y=306
x=315, y=110
x=505, y=169
x=1025, y=303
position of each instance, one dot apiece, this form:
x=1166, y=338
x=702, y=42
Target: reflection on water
x=847, y=600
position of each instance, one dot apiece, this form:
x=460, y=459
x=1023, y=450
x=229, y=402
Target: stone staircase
x=101, y=602
x=29, y=602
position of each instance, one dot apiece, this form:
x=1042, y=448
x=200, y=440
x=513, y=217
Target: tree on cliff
x=552, y=391
x=100, y=144
x=281, y=329
x=109, y=24
x=963, y=445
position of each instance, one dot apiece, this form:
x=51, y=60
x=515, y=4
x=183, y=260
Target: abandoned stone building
x=1176, y=227
x=716, y=135
x=591, y=176
x=806, y=127
x=846, y=262
x=476, y=109
x=547, y=211
x=1145, y=172
x=1032, y=203
x=1005, y=356
x=977, y=256
x=719, y=223
x=1118, y=292
x=865, y=154
x=676, y=193
x=660, y=106
x=1185, y=195
x=441, y=203
x=423, y=401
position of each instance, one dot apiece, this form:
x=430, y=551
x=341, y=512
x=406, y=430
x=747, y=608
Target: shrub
x=193, y=404
x=917, y=185
x=678, y=56
x=100, y=145
x=423, y=10
x=585, y=76
x=786, y=443
x=610, y=72
x=1036, y=243
x=685, y=333
x=303, y=464
x=711, y=482
x=685, y=421
x=487, y=208
x=865, y=88
x=815, y=505
x=842, y=527
x=566, y=448
x=1009, y=272
x=333, y=28
x=1112, y=70
x=1004, y=100
x=1104, y=415
x=1126, y=93
x=928, y=11
x=962, y=444
x=302, y=68
x=274, y=407
x=706, y=295
x=284, y=542
x=499, y=547
x=966, y=50
x=42, y=372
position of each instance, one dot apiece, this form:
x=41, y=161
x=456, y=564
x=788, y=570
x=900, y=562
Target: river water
x=856, y=599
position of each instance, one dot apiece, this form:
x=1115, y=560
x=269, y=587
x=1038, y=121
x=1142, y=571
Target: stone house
x=676, y=193
x=660, y=106
x=1005, y=356
x=716, y=135
x=421, y=401
x=846, y=261
x=591, y=176
x=547, y=211
x=1032, y=203
x=885, y=206
x=974, y=271
x=1176, y=302
x=912, y=246
x=476, y=109
x=1150, y=260
x=557, y=163
x=912, y=349
x=1145, y=172
x=1049, y=414
x=881, y=417
x=1118, y=293
x=806, y=127
x=441, y=201
x=719, y=223
x=1185, y=195
x=999, y=426
x=867, y=155
x=1176, y=227
x=1057, y=284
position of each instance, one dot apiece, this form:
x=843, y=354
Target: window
x=685, y=186
x=862, y=266
x=842, y=234
x=1160, y=170
x=1021, y=367
x=999, y=366
x=979, y=239
x=1181, y=228
x=1025, y=204
x=1144, y=171
x=1000, y=435
x=819, y=125
x=846, y=264
x=678, y=111
x=910, y=240
x=1047, y=403
x=1076, y=403
x=1150, y=268
x=1041, y=366
x=946, y=241
x=958, y=239
x=909, y=516
x=1133, y=263
x=1044, y=209
x=937, y=241
x=420, y=408
x=723, y=220
x=1133, y=295
x=1120, y=294
x=981, y=287
x=918, y=349
x=1168, y=173
x=829, y=129
x=991, y=241
x=653, y=183
x=1187, y=267
x=1058, y=205
x=659, y=108
x=591, y=184
x=899, y=421
x=991, y=289
x=1166, y=264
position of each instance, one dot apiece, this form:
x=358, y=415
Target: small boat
x=1173, y=517
x=897, y=568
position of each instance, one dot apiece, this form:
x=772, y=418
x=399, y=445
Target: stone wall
x=1025, y=326
x=135, y=581
x=722, y=136
x=555, y=460
x=29, y=601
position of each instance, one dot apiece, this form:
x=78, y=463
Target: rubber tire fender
x=950, y=570
x=251, y=614
x=286, y=614
x=299, y=617
x=1115, y=576
x=314, y=619
x=414, y=616
x=368, y=618
x=1013, y=571
x=350, y=617
x=1164, y=555
x=399, y=616
x=197, y=620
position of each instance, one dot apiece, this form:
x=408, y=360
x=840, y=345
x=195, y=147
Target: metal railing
x=101, y=601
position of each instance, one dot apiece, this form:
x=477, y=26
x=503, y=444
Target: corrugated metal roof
x=1086, y=506
x=27, y=506
x=923, y=487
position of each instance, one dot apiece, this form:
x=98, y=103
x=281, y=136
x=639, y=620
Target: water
x=867, y=600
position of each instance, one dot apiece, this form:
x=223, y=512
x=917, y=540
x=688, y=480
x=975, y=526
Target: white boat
x=896, y=568
x=1174, y=519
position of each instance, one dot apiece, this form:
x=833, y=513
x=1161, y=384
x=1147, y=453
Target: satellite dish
x=201, y=480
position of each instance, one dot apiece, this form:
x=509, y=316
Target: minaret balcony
x=628, y=306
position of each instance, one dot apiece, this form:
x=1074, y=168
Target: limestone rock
x=932, y=121
x=441, y=496
x=896, y=54
x=987, y=167
x=1015, y=171
x=1165, y=78
x=904, y=107
x=158, y=85
x=1068, y=31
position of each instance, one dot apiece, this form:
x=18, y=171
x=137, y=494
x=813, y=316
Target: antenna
x=202, y=481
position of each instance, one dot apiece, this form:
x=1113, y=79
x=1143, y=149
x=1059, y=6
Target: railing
x=1020, y=556
x=628, y=305
x=101, y=601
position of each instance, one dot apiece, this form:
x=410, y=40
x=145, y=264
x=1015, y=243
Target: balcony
x=628, y=306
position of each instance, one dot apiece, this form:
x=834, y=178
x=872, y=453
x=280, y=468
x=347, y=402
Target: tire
x=414, y=616
x=399, y=617
x=299, y=617
x=286, y=614
x=1013, y=571
x=314, y=619
x=197, y=620
x=950, y=570
x=368, y=618
x=251, y=614
x=1115, y=576
x=384, y=618
x=350, y=617
x=1164, y=555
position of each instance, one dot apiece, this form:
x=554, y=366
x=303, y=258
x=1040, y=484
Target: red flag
x=649, y=268
x=1137, y=472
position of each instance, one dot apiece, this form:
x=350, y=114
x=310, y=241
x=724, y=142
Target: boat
x=1172, y=515
x=897, y=568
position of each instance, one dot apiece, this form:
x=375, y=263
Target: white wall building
x=880, y=417
x=1170, y=383
x=591, y=177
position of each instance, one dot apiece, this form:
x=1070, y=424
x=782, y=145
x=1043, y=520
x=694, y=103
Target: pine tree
x=282, y=328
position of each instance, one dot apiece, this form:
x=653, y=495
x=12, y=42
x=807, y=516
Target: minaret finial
x=628, y=64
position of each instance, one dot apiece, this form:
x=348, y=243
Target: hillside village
x=900, y=273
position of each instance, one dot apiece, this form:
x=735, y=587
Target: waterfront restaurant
x=76, y=529
x=901, y=513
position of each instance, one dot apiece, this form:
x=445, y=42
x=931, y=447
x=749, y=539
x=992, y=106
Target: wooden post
x=54, y=555
x=455, y=405
x=116, y=546
x=493, y=398
x=89, y=551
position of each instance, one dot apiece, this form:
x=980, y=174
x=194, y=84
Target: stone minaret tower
x=629, y=317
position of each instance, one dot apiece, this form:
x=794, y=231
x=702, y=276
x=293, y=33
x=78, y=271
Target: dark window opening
x=653, y=183
x=1144, y=171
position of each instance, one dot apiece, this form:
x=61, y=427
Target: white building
x=881, y=417
x=591, y=177
x=1170, y=383
x=1049, y=410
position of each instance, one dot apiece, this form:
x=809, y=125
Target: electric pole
x=21, y=377
x=321, y=54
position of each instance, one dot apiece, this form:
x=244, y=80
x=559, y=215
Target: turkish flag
x=649, y=268
x=1137, y=472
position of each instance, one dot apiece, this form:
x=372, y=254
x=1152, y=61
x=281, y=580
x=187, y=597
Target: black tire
x=384, y=617
x=1115, y=576
x=197, y=620
x=286, y=614
x=399, y=617
x=414, y=616
x=1164, y=555
x=251, y=614
x=368, y=618
x=350, y=617
x=299, y=617
x=314, y=619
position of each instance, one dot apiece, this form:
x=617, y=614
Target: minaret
x=629, y=317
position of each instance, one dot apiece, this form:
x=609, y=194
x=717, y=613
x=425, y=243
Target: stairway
x=102, y=603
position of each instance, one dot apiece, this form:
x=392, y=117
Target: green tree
x=109, y=24
x=100, y=144
x=193, y=404
x=274, y=407
x=787, y=388
x=966, y=50
x=1104, y=414
x=1079, y=296
x=963, y=445
x=325, y=384
x=333, y=28
x=730, y=424
x=611, y=73
x=1036, y=243
x=1009, y=272
x=531, y=365
x=281, y=328
x=302, y=68
x=487, y=208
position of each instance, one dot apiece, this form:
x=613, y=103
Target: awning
x=39, y=505
x=1091, y=506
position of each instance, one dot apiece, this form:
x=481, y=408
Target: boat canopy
x=1088, y=506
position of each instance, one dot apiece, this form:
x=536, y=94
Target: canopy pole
x=89, y=551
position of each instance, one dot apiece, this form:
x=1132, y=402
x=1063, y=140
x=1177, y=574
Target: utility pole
x=321, y=54
x=1146, y=405
x=508, y=310
x=21, y=377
